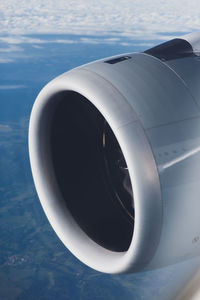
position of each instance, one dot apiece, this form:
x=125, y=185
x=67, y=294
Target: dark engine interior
x=91, y=172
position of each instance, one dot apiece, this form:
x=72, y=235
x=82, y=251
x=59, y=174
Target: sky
x=142, y=19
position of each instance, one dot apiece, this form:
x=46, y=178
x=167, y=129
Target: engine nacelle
x=115, y=155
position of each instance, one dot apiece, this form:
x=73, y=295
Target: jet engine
x=115, y=153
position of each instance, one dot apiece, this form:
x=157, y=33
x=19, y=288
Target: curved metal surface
x=142, y=169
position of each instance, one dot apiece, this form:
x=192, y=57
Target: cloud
x=20, y=39
x=11, y=87
x=9, y=48
x=5, y=128
x=6, y=60
x=37, y=43
x=145, y=19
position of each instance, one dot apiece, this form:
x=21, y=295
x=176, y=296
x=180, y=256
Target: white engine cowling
x=115, y=155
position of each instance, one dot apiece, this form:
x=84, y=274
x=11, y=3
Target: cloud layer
x=148, y=18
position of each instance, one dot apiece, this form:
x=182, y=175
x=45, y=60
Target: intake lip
x=136, y=150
